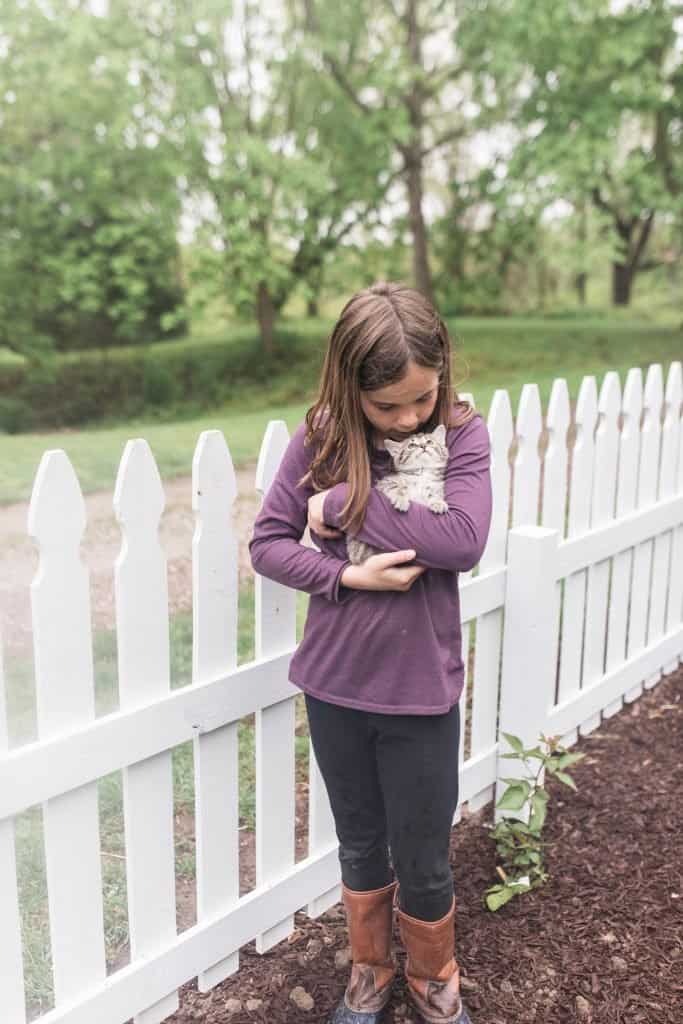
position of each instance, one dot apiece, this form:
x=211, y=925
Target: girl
x=380, y=662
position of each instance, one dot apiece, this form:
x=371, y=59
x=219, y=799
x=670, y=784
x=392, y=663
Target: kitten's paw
x=437, y=505
x=401, y=502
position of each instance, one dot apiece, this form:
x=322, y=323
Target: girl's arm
x=452, y=540
x=274, y=548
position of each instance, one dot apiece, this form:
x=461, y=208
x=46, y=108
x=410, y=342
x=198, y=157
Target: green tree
x=396, y=65
x=278, y=175
x=592, y=90
x=88, y=202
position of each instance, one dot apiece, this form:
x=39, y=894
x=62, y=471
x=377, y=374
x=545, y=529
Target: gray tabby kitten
x=420, y=464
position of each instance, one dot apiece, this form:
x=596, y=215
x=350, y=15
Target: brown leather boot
x=369, y=916
x=432, y=973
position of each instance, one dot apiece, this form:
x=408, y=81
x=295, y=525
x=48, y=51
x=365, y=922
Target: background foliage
x=174, y=171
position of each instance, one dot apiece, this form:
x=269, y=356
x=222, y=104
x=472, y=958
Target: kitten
x=420, y=464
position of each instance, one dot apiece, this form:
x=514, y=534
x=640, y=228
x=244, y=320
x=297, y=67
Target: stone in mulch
x=600, y=943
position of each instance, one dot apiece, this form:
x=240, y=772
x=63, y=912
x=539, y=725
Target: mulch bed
x=601, y=942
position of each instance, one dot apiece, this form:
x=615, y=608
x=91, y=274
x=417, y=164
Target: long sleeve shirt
x=387, y=651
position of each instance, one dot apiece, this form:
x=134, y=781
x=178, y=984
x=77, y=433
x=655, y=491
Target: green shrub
x=164, y=378
x=159, y=385
x=15, y=415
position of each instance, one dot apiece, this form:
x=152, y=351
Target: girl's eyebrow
x=381, y=402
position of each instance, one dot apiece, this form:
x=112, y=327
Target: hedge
x=84, y=387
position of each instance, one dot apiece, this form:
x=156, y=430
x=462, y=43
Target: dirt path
x=100, y=548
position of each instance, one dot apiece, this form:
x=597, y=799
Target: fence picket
x=646, y=495
x=627, y=482
x=578, y=520
x=526, y=474
x=666, y=488
x=214, y=651
x=554, y=494
x=11, y=967
x=489, y=626
x=274, y=741
x=141, y=592
x=674, y=605
x=65, y=699
x=602, y=511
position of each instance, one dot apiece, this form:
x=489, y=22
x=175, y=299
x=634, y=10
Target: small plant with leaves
x=518, y=843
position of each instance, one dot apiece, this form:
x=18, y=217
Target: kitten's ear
x=393, y=447
x=439, y=432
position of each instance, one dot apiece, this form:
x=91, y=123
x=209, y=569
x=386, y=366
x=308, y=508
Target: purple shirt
x=388, y=651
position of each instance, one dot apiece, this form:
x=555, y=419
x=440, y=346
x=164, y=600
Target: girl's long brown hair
x=379, y=331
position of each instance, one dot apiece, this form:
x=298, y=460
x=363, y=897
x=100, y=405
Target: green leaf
x=567, y=779
x=514, y=782
x=567, y=759
x=513, y=799
x=538, y=811
x=514, y=742
x=499, y=896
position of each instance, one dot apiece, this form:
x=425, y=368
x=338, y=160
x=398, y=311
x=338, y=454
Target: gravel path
x=100, y=548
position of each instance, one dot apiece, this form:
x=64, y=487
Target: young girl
x=380, y=659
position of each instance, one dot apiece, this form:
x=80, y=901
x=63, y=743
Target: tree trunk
x=582, y=277
x=421, y=272
x=265, y=312
x=412, y=155
x=580, y=282
x=312, y=308
x=541, y=282
x=622, y=280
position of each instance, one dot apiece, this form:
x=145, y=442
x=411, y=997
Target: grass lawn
x=489, y=354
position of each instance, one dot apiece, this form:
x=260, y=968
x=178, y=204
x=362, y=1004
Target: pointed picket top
x=653, y=399
x=670, y=433
x=555, y=462
x=676, y=371
x=633, y=394
x=606, y=450
x=587, y=405
x=609, y=403
x=654, y=387
x=558, y=406
x=527, y=463
x=214, y=484
x=501, y=431
x=273, y=446
x=138, y=495
x=629, y=442
x=500, y=421
x=582, y=457
x=56, y=515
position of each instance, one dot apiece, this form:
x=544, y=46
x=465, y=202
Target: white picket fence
x=604, y=554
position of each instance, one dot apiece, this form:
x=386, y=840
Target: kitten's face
x=420, y=450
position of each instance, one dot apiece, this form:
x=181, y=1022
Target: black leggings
x=391, y=779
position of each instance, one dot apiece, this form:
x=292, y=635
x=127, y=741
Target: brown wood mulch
x=601, y=942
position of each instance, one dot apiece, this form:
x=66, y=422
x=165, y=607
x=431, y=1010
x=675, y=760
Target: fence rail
x=576, y=607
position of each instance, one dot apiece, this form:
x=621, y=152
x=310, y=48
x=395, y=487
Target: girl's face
x=402, y=408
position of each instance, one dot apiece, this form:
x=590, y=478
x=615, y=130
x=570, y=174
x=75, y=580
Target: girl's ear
x=439, y=432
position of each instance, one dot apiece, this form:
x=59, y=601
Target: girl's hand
x=315, y=516
x=384, y=571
